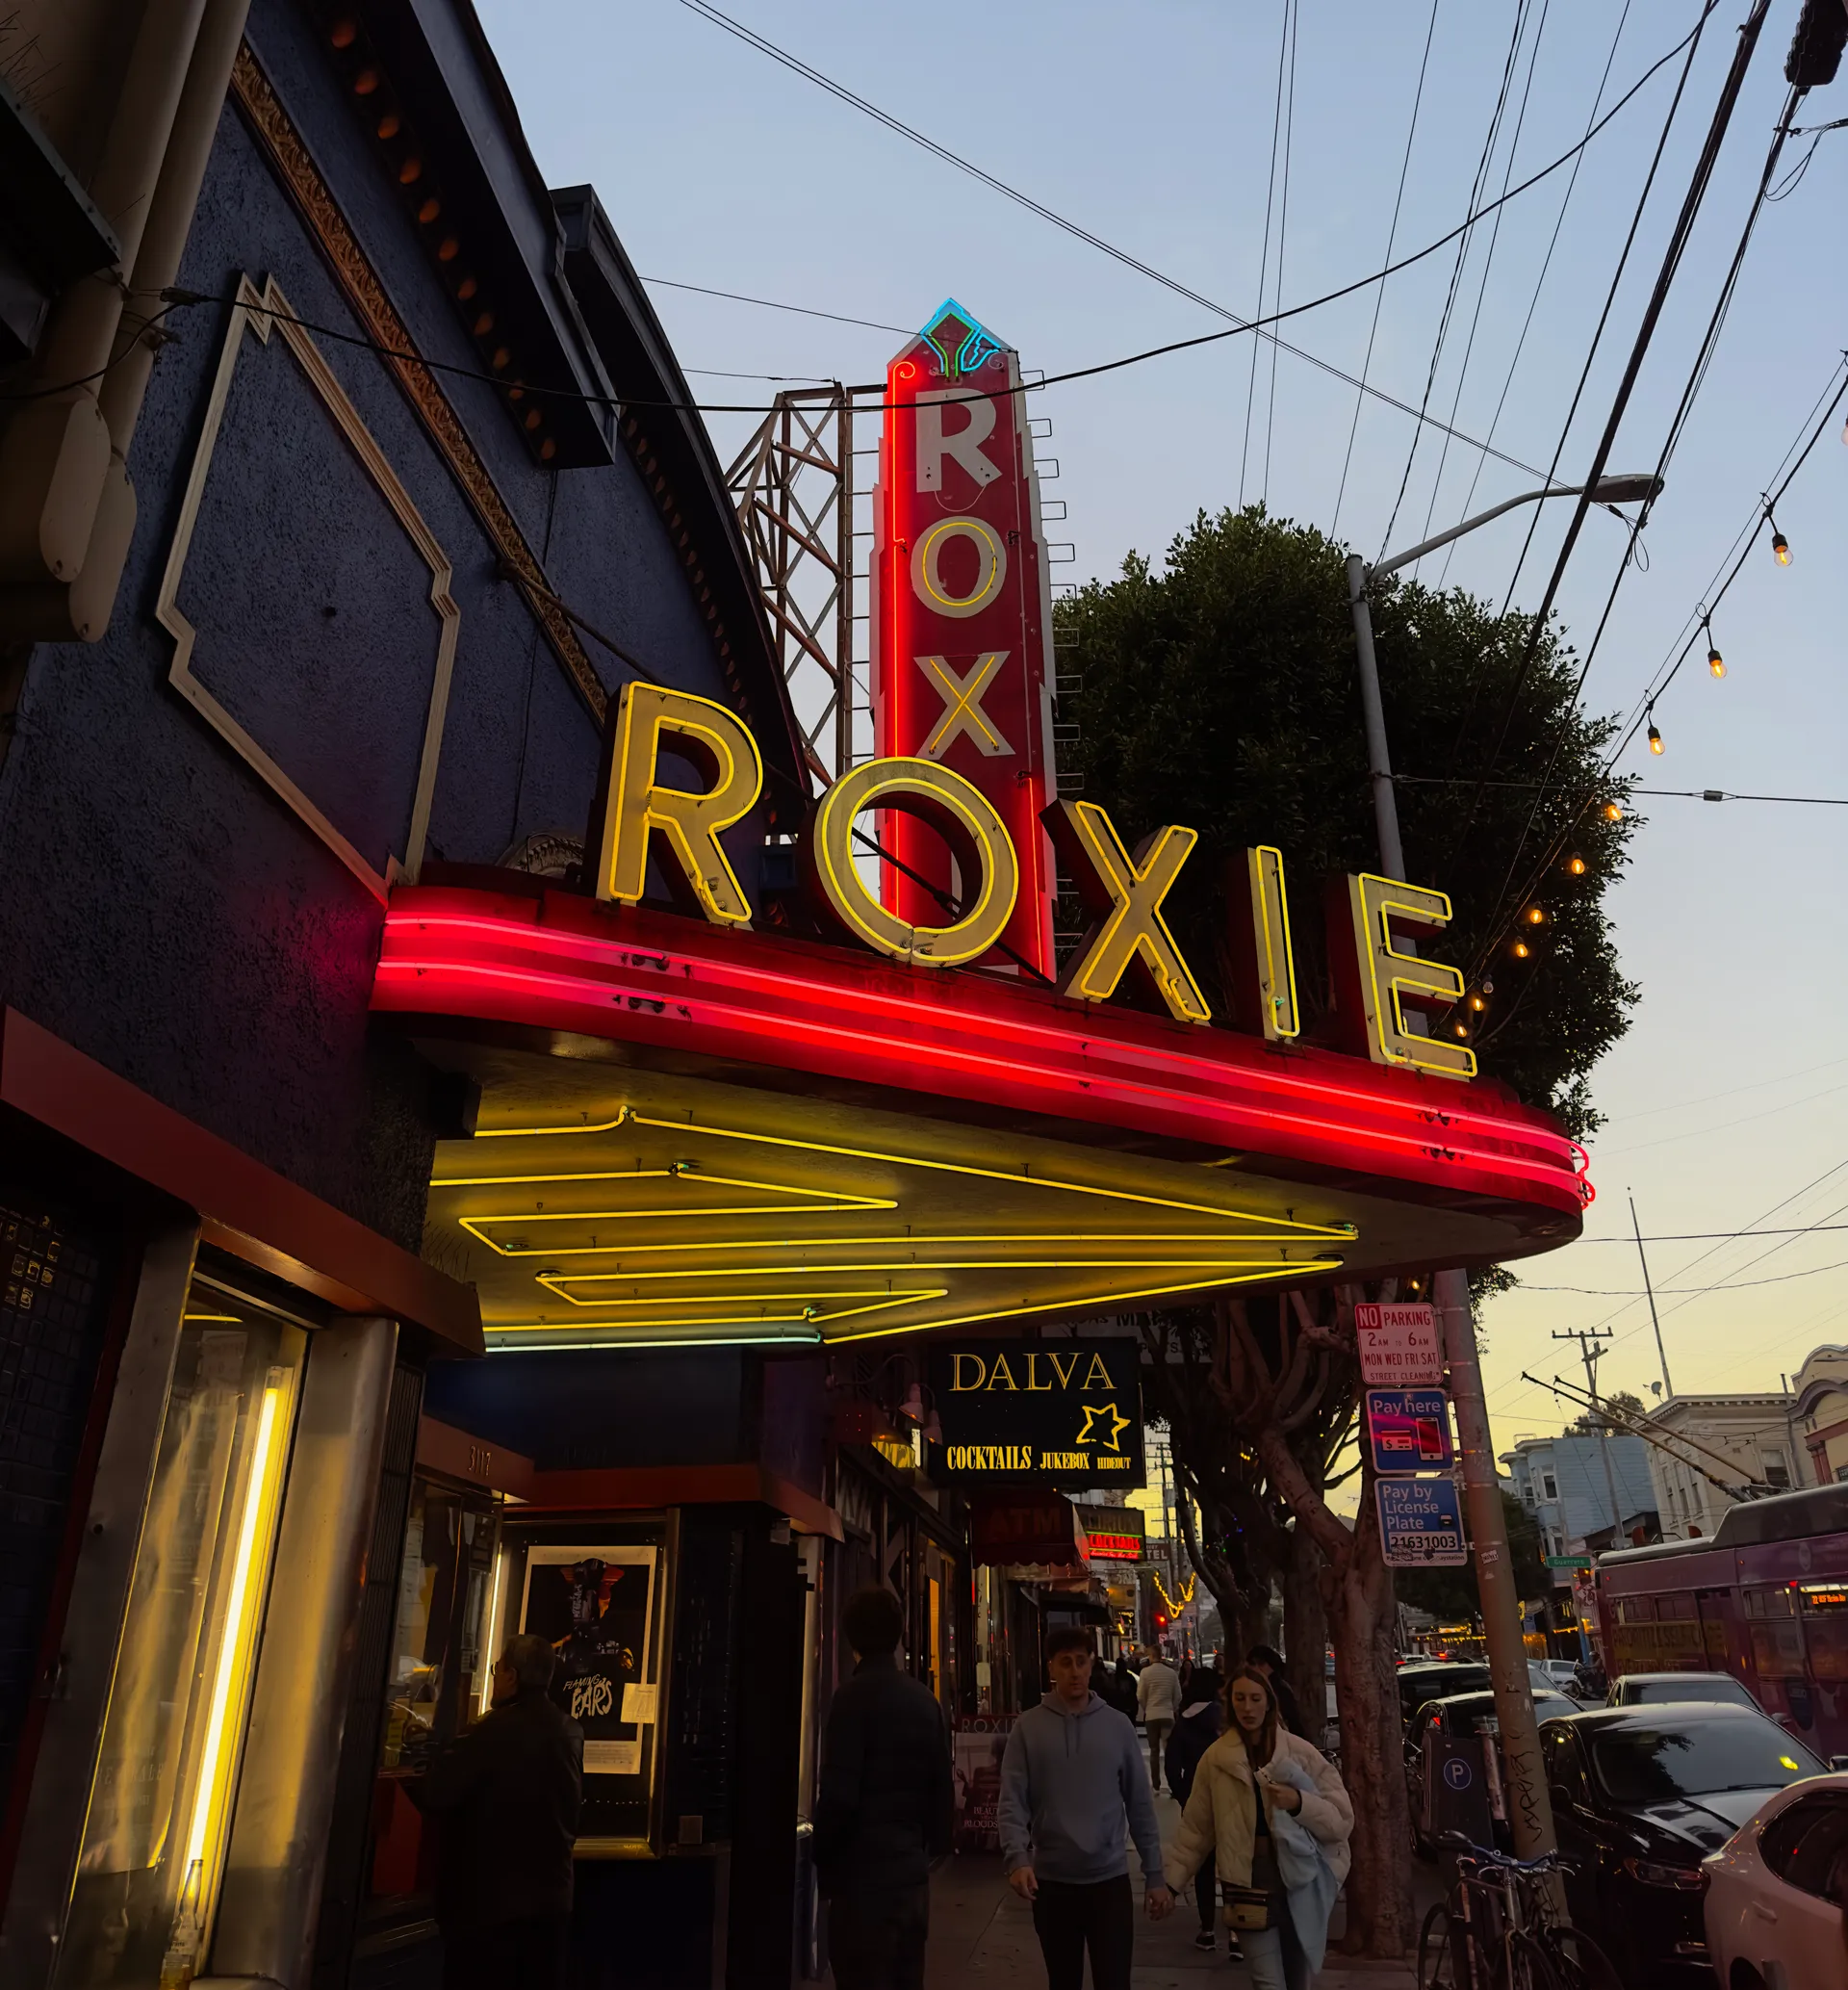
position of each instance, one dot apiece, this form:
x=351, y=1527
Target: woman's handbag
x=1248, y=1908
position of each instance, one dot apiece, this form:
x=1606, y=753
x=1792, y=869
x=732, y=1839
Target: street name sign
x=1398, y=1345
x=1421, y=1523
x=1409, y=1431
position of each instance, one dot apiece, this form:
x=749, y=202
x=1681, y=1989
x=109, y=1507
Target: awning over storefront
x=1032, y=1527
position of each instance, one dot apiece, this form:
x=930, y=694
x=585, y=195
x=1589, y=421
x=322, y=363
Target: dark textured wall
x=161, y=907
x=583, y=1411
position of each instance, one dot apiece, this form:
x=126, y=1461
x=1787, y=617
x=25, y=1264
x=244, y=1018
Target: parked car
x=1563, y=1673
x=1652, y=1688
x=1457, y=1716
x=1776, y=1891
x=1436, y=1679
x=1640, y=1796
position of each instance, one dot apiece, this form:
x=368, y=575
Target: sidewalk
x=980, y=1933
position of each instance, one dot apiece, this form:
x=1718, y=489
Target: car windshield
x=1690, y=1686
x=1697, y=1758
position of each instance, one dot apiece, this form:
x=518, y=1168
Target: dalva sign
x=638, y=816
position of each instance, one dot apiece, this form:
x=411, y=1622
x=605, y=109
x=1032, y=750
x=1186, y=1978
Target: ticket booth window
x=160, y=1808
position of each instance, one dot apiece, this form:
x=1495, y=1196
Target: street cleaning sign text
x=1399, y=1346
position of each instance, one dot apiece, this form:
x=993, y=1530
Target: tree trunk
x=1362, y=1616
x=1306, y=1631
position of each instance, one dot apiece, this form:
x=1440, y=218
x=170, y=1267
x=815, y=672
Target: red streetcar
x=1765, y=1600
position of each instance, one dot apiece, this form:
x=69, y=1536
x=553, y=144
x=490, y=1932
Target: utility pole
x=1661, y=1353
x=1592, y=1352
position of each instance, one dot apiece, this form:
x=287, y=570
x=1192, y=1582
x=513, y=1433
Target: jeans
x=1275, y=1956
x=875, y=1939
x=1070, y=1919
x=1157, y=1743
x=1204, y=1894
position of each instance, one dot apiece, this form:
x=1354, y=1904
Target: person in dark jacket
x=508, y=1793
x=1267, y=1659
x=882, y=1810
x=1196, y=1727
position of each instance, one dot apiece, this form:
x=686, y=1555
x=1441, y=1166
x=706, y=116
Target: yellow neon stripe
x=1058, y=1305
x=629, y=1116
x=809, y=1315
x=587, y=1337
x=845, y=1199
x=635, y=1248
x=206, y=1804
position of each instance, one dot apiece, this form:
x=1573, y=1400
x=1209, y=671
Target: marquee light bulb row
x=638, y=818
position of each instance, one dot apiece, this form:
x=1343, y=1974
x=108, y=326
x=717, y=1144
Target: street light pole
x=1530, y=1805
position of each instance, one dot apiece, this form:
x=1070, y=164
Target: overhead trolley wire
x=1283, y=232
x=1539, y=284
x=1488, y=266
x=1264, y=258
x=1691, y=203
x=1260, y=324
x=1462, y=256
x=1479, y=678
x=1738, y=554
x=1379, y=295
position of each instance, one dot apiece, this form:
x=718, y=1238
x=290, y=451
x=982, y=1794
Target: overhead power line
x=764, y=47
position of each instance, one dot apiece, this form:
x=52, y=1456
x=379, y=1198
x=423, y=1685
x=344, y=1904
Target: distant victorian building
x=1743, y=1442
x=1820, y=1388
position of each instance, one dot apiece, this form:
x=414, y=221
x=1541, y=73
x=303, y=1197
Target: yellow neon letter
x=634, y=810
x=1127, y=893
x=962, y=707
x=962, y=815
x=1376, y=979
x=990, y=573
x=1265, y=997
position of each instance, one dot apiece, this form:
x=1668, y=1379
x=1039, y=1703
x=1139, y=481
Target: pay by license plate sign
x=1421, y=1523
x=1409, y=1431
x=1399, y=1346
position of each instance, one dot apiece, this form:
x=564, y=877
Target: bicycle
x=1500, y=1928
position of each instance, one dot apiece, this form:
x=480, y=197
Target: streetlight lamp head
x=1625, y=490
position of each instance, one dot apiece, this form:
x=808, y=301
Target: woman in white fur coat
x=1272, y=1812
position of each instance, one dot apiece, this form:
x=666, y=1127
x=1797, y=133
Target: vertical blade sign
x=961, y=616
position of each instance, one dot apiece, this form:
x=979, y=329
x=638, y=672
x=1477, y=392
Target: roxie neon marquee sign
x=639, y=816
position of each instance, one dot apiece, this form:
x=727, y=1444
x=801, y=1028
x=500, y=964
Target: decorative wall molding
x=261, y=312
x=294, y=167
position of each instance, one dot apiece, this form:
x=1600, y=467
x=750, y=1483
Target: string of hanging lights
x=1516, y=934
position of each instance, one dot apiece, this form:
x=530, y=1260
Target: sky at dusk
x=1152, y=127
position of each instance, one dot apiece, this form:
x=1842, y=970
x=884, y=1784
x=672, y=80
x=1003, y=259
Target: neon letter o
x=962, y=815
x=926, y=582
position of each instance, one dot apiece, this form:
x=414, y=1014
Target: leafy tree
x=1450, y=1593
x=1221, y=692
x=1623, y=1407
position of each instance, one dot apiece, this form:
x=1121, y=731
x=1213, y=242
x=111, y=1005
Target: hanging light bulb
x=1521, y=949
x=1779, y=545
x=1462, y=1029
x=1613, y=812
x=1715, y=663
x=1535, y=917
x=1655, y=738
x=1478, y=1003
x=1576, y=865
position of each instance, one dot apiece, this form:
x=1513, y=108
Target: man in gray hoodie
x=1071, y=1779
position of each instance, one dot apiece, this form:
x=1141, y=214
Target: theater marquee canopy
x=692, y=1129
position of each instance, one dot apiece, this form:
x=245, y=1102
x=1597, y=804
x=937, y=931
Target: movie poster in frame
x=595, y=1605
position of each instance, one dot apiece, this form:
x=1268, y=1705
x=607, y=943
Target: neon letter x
x=962, y=706
x=1127, y=891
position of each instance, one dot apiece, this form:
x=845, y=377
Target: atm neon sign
x=639, y=817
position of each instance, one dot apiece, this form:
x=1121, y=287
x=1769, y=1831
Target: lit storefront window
x=155, y=1836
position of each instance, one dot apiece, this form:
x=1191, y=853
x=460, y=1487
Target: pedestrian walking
x=507, y=1794
x=884, y=1806
x=1158, y=1699
x=1196, y=1727
x=1267, y=1659
x=1071, y=1780
x=1272, y=1811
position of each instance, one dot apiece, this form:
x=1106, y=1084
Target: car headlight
x=1687, y=1878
